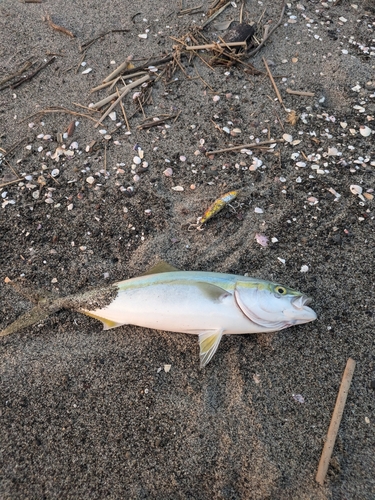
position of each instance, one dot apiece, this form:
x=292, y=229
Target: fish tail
x=46, y=303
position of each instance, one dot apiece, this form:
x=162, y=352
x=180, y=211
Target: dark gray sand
x=90, y=414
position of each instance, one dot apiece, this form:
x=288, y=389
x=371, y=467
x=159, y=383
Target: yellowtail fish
x=206, y=304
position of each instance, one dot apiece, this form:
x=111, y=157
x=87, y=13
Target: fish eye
x=280, y=289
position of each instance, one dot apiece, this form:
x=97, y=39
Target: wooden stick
x=335, y=421
x=215, y=45
x=300, y=92
x=244, y=146
x=273, y=81
x=117, y=71
x=130, y=86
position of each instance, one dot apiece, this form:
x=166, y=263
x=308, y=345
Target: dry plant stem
x=57, y=27
x=15, y=146
x=108, y=99
x=255, y=51
x=211, y=46
x=244, y=146
x=300, y=92
x=273, y=81
x=59, y=110
x=335, y=421
x=81, y=61
x=85, y=107
x=10, y=166
x=117, y=71
x=24, y=68
x=10, y=182
x=215, y=14
x=191, y=10
x=123, y=111
x=88, y=44
x=29, y=77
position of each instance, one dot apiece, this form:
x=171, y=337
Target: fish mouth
x=301, y=301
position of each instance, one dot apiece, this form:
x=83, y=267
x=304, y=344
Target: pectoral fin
x=213, y=292
x=208, y=343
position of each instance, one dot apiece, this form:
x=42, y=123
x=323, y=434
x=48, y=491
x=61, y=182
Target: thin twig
x=123, y=111
x=15, y=146
x=59, y=110
x=244, y=146
x=29, y=77
x=300, y=92
x=24, y=68
x=10, y=182
x=88, y=44
x=273, y=81
x=253, y=52
x=215, y=15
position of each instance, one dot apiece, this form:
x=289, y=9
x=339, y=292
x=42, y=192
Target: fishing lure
x=215, y=208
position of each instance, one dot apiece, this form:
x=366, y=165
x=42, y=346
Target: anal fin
x=107, y=323
x=208, y=343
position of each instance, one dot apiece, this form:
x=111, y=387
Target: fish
x=206, y=304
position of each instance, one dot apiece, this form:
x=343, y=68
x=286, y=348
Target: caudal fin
x=31, y=317
x=46, y=304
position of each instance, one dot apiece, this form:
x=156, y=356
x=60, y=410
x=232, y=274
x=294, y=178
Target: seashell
x=364, y=130
x=355, y=189
x=287, y=138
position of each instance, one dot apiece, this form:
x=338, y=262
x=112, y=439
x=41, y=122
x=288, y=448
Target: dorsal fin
x=160, y=267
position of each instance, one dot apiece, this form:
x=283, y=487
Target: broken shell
x=364, y=130
x=137, y=160
x=90, y=180
x=355, y=189
x=287, y=138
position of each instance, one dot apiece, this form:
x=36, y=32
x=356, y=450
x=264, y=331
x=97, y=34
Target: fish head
x=273, y=306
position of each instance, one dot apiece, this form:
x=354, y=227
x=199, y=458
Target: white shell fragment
x=355, y=189
x=86, y=71
x=55, y=172
x=90, y=180
x=178, y=188
x=287, y=138
x=304, y=269
x=168, y=172
x=137, y=160
x=364, y=130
